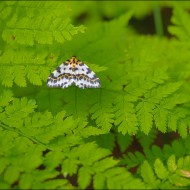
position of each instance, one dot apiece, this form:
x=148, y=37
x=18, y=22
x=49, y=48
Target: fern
x=24, y=30
x=126, y=118
x=132, y=133
x=170, y=176
x=181, y=20
x=102, y=111
x=151, y=153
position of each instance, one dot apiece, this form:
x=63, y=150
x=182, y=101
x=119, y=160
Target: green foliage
x=132, y=133
x=170, y=175
x=29, y=29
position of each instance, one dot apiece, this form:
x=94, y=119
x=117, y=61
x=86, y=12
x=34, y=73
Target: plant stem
x=158, y=20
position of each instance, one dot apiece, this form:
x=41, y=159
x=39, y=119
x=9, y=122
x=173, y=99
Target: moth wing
x=85, y=77
x=62, y=77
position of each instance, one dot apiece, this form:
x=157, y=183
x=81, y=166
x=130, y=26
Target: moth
x=73, y=72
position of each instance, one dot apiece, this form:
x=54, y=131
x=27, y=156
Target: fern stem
x=34, y=140
x=158, y=20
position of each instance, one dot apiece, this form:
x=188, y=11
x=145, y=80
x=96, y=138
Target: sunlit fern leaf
x=125, y=116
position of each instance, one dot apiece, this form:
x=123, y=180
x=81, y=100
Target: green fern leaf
x=160, y=169
x=33, y=74
x=171, y=163
x=104, y=164
x=5, y=98
x=70, y=167
x=172, y=122
x=26, y=181
x=145, y=115
x=162, y=92
x=146, y=140
x=148, y=175
x=84, y=177
x=124, y=141
x=133, y=160
x=25, y=31
x=99, y=181
x=38, y=30
x=118, y=178
x=7, y=77
x=102, y=112
x=183, y=127
x=15, y=113
x=181, y=21
x=11, y=174
x=179, y=181
x=160, y=118
x=20, y=79
x=125, y=118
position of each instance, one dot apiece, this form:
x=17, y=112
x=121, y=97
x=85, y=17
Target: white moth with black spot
x=73, y=72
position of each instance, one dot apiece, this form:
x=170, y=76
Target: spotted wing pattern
x=73, y=72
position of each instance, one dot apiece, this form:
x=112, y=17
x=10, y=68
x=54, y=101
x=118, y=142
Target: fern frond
x=163, y=91
x=181, y=21
x=106, y=138
x=179, y=147
x=145, y=115
x=132, y=160
x=29, y=29
x=14, y=114
x=102, y=111
x=125, y=118
x=124, y=141
x=24, y=27
x=118, y=178
x=148, y=175
x=173, y=175
x=5, y=98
